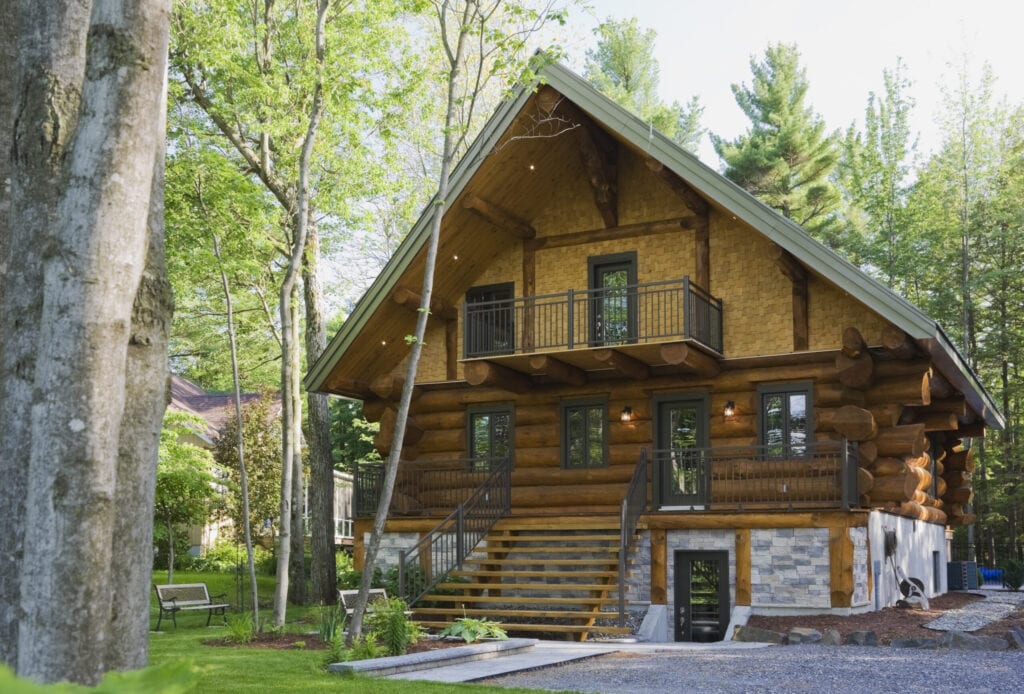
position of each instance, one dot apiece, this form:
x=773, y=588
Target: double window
x=584, y=434
x=490, y=434
x=785, y=418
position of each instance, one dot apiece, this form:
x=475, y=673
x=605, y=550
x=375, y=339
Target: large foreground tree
x=84, y=308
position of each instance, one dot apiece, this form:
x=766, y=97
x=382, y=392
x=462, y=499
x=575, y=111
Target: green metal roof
x=713, y=186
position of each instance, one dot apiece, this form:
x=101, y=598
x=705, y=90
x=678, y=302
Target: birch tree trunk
x=81, y=198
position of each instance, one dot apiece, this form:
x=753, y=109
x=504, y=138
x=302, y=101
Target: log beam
x=600, y=166
x=743, y=564
x=485, y=373
x=797, y=274
x=678, y=186
x=403, y=296
x=558, y=370
x=896, y=344
x=665, y=226
x=853, y=344
x=682, y=354
x=499, y=217
x=623, y=363
x=840, y=554
x=389, y=387
x=854, y=363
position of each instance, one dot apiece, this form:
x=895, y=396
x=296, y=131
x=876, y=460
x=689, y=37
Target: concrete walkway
x=547, y=653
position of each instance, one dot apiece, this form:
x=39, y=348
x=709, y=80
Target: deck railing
x=422, y=488
x=631, y=314
x=634, y=505
x=445, y=547
x=818, y=475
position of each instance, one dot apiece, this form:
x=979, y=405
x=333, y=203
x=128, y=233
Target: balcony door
x=490, y=320
x=612, y=298
x=682, y=438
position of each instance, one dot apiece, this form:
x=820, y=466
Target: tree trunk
x=318, y=436
x=146, y=387
x=95, y=245
x=297, y=556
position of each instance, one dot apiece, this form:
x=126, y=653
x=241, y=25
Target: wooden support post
x=623, y=363
x=702, y=254
x=840, y=555
x=659, y=567
x=599, y=163
x=529, y=290
x=451, y=349
x=797, y=274
x=558, y=370
x=743, y=563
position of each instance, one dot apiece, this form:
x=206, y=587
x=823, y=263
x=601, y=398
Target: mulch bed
x=892, y=622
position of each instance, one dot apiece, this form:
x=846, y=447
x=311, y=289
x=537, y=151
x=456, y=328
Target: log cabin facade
x=681, y=400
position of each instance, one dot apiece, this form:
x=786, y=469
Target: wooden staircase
x=536, y=576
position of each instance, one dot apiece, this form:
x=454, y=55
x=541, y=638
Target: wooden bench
x=348, y=599
x=180, y=597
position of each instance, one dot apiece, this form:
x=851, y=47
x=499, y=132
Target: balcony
x=786, y=478
x=619, y=317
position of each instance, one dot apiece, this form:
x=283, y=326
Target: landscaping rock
x=969, y=642
x=831, y=637
x=862, y=638
x=915, y=642
x=757, y=635
x=1015, y=638
x=799, y=635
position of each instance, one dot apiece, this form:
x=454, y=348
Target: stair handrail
x=448, y=544
x=634, y=504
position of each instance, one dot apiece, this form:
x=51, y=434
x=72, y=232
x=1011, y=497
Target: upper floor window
x=490, y=434
x=490, y=320
x=785, y=414
x=584, y=434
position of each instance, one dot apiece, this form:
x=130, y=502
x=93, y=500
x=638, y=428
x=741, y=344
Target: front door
x=613, y=299
x=682, y=468
x=701, y=595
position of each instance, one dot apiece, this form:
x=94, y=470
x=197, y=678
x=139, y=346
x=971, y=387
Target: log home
x=642, y=389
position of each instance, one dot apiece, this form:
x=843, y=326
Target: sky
x=704, y=47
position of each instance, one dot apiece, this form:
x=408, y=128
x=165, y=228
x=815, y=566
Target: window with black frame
x=490, y=435
x=785, y=413
x=584, y=435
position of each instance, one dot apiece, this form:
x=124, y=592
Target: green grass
x=228, y=669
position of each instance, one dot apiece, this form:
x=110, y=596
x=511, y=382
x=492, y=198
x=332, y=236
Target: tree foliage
x=262, y=436
x=623, y=67
x=786, y=157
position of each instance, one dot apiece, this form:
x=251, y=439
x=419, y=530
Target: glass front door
x=701, y=596
x=684, y=477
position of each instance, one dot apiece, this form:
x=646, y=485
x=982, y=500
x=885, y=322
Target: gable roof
x=215, y=409
x=708, y=183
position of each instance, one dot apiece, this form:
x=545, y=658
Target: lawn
x=225, y=669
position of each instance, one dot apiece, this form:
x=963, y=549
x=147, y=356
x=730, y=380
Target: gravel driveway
x=846, y=669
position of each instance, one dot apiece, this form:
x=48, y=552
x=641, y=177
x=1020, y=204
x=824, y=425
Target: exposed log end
x=485, y=373
x=623, y=363
x=682, y=354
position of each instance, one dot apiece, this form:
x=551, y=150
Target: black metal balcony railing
x=819, y=475
x=632, y=314
x=422, y=488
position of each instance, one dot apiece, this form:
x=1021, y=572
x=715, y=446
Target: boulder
x=831, y=637
x=970, y=642
x=758, y=635
x=1015, y=637
x=798, y=635
x=915, y=642
x=862, y=638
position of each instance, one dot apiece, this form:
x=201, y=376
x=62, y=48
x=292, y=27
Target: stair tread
x=539, y=574
x=519, y=600
x=552, y=538
x=544, y=549
x=535, y=585
x=550, y=561
x=493, y=612
x=568, y=628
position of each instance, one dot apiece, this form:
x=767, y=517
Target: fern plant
x=392, y=625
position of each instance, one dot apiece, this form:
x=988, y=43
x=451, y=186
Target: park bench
x=348, y=599
x=181, y=597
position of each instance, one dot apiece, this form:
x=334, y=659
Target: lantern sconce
x=730, y=410
x=627, y=414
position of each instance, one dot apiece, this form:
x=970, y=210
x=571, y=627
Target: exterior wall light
x=730, y=410
x=627, y=414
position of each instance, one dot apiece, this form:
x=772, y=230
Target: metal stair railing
x=634, y=504
x=447, y=545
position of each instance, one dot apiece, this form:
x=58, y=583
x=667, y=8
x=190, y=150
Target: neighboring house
x=668, y=365
x=216, y=410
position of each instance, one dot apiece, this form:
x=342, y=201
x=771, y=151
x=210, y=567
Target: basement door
x=681, y=465
x=701, y=595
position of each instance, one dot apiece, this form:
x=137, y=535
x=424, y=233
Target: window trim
x=503, y=407
x=594, y=263
x=788, y=387
x=563, y=410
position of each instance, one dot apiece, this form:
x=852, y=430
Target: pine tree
x=623, y=67
x=786, y=158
